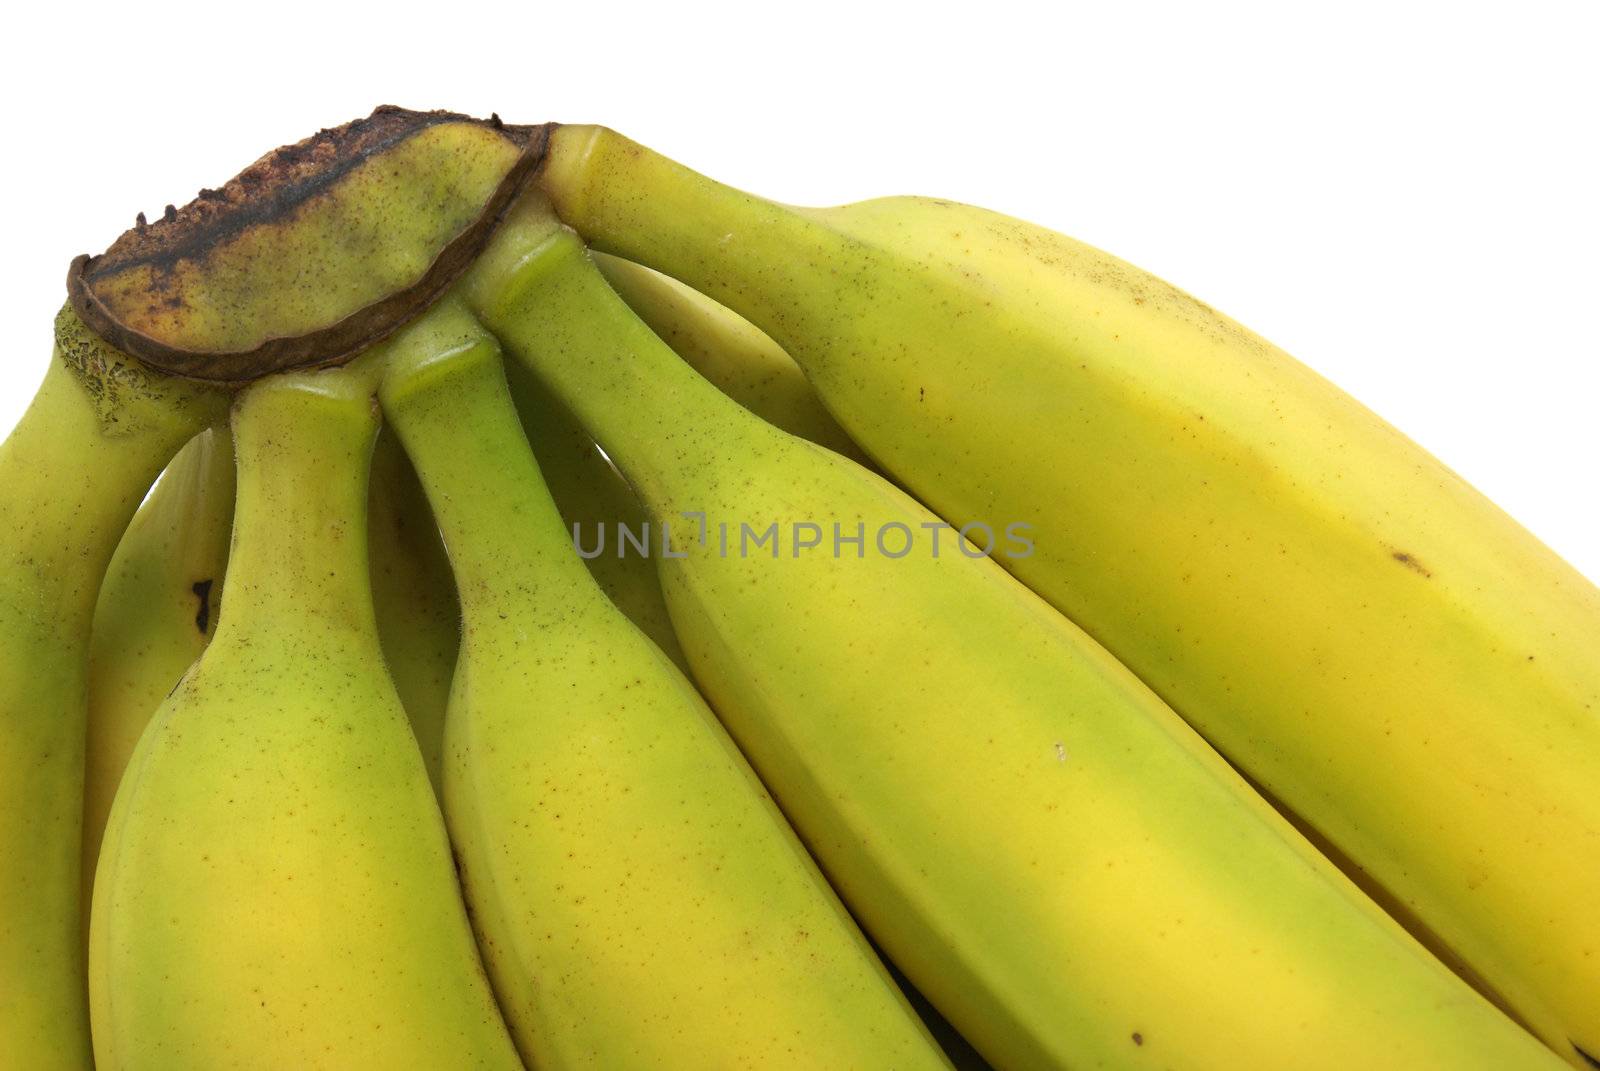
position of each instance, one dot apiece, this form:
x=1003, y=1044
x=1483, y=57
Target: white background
x=1404, y=196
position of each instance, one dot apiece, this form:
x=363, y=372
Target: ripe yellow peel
x=276, y=869
x=1376, y=644
x=639, y=899
x=1057, y=862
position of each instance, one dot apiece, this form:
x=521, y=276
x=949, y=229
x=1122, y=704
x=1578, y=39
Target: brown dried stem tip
x=312, y=253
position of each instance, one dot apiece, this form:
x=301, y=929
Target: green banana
x=1370, y=639
x=156, y=612
x=729, y=351
x=74, y=470
x=275, y=887
x=1061, y=866
x=640, y=900
x=592, y=496
x=596, y=504
x=413, y=597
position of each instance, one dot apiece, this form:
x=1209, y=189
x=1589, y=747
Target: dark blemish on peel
x=270, y=192
x=1138, y=1038
x=1411, y=563
x=202, y=615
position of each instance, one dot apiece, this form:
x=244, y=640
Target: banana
x=275, y=887
x=72, y=474
x=159, y=602
x=729, y=351
x=593, y=497
x=640, y=900
x=156, y=612
x=1057, y=861
x=596, y=506
x=413, y=596
x=1347, y=620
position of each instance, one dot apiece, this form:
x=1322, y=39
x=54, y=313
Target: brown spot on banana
x=1410, y=562
x=202, y=614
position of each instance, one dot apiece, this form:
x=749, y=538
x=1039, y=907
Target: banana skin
x=1070, y=874
x=1371, y=640
x=159, y=604
x=156, y=611
x=275, y=886
x=731, y=352
x=413, y=597
x=594, y=498
x=641, y=902
x=74, y=470
x=596, y=505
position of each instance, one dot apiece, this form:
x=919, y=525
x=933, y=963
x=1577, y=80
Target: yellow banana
x=1058, y=862
x=275, y=888
x=1366, y=636
x=641, y=902
x=158, y=607
x=156, y=612
x=745, y=364
x=72, y=474
x=413, y=596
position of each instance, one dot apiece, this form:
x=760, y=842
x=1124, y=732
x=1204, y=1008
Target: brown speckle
x=202, y=615
x=1410, y=562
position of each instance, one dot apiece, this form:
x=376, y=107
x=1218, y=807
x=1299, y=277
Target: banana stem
x=468, y=446
x=593, y=177
x=649, y=410
x=304, y=447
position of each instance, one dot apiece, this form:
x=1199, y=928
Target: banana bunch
x=591, y=617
